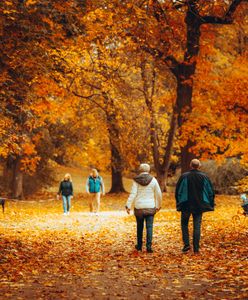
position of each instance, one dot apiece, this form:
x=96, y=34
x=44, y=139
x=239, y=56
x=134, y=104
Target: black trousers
x=197, y=220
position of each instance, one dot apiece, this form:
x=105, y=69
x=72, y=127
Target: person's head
x=94, y=172
x=144, y=168
x=67, y=177
x=195, y=163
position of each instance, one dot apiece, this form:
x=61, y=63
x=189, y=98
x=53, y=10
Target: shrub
x=225, y=176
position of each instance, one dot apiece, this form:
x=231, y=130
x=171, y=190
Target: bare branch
x=89, y=97
x=169, y=60
x=240, y=107
x=227, y=19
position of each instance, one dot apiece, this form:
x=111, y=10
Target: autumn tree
x=101, y=83
x=171, y=32
x=161, y=124
x=27, y=30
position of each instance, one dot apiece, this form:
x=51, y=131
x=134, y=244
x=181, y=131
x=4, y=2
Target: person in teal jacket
x=194, y=195
x=94, y=187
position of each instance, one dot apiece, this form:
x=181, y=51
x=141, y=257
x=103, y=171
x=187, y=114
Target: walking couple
x=194, y=195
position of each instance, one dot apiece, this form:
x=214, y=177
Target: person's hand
x=103, y=194
x=58, y=197
x=71, y=197
x=128, y=210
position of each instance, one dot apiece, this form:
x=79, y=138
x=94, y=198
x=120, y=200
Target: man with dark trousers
x=194, y=195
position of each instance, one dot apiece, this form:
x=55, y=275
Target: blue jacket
x=94, y=184
x=194, y=192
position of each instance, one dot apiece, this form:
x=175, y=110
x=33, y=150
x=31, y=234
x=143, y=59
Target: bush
x=225, y=176
x=44, y=177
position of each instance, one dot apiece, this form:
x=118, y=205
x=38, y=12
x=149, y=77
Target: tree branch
x=240, y=107
x=227, y=19
x=90, y=97
x=169, y=60
x=158, y=11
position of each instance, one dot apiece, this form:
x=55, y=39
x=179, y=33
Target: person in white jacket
x=146, y=197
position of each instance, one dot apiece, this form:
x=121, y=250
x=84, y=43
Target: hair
x=195, y=163
x=144, y=168
x=68, y=175
x=94, y=171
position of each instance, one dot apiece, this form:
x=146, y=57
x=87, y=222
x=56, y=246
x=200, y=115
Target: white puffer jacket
x=145, y=196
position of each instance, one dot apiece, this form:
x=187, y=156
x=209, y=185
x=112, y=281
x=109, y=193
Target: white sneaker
x=64, y=214
x=68, y=213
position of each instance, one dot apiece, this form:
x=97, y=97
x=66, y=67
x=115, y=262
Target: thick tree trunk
x=185, y=71
x=184, y=75
x=184, y=107
x=186, y=156
x=17, y=183
x=117, y=183
x=116, y=171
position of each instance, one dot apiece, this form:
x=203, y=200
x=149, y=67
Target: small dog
x=2, y=202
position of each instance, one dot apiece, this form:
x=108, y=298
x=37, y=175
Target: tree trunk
x=184, y=74
x=116, y=159
x=117, y=183
x=161, y=180
x=169, y=146
x=116, y=171
x=17, y=183
x=184, y=107
x=186, y=156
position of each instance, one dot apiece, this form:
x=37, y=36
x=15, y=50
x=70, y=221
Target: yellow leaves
x=41, y=248
x=29, y=164
x=30, y=2
x=9, y=13
x=242, y=185
x=28, y=149
x=8, y=3
x=4, y=150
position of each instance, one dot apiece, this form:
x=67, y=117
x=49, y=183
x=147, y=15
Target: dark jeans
x=149, y=230
x=197, y=219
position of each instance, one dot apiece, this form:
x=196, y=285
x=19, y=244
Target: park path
x=85, y=256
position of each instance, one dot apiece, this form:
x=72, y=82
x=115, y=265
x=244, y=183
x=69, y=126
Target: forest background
x=111, y=84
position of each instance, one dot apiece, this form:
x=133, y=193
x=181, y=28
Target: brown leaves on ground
x=46, y=255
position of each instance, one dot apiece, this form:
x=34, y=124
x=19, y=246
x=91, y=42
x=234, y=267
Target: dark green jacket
x=194, y=192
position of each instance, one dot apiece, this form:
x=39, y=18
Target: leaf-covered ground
x=46, y=255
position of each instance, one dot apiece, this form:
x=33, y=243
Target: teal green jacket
x=94, y=184
x=194, y=192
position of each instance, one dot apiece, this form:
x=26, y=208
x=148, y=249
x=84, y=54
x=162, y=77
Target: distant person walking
x=66, y=190
x=94, y=187
x=194, y=195
x=147, y=197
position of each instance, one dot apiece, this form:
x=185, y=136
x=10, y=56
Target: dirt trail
x=85, y=256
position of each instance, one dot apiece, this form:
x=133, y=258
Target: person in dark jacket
x=94, y=188
x=194, y=195
x=66, y=190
